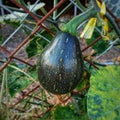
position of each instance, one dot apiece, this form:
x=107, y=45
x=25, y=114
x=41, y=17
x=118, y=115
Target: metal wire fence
x=6, y=55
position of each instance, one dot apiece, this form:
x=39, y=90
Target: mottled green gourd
x=60, y=66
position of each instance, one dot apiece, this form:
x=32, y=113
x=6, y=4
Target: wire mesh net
x=32, y=22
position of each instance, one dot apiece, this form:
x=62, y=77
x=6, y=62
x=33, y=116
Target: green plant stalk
x=55, y=12
x=2, y=86
x=71, y=26
x=80, y=5
x=43, y=10
x=18, y=69
x=22, y=3
x=94, y=3
x=7, y=94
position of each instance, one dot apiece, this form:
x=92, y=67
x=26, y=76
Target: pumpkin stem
x=72, y=25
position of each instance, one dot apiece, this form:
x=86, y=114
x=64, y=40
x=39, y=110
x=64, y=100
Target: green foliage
x=101, y=45
x=77, y=110
x=47, y=35
x=64, y=113
x=18, y=80
x=85, y=80
x=1, y=76
x=70, y=112
x=14, y=22
x=17, y=83
x=103, y=96
x=32, y=47
x=37, y=44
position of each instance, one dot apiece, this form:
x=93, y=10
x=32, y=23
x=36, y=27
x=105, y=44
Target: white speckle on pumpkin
x=61, y=52
x=66, y=56
x=66, y=40
x=61, y=59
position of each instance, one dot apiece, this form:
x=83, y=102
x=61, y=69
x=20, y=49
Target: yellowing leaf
x=104, y=20
x=106, y=37
x=89, y=28
x=105, y=27
x=103, y=9
x=99, y=4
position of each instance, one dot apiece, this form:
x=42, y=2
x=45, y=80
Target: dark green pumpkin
x=60, y=66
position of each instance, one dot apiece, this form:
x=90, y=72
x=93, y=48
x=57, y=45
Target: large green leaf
x=64, y=113
x=103, y=101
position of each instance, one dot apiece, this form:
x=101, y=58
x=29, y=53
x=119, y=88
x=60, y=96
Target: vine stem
x=71, y=26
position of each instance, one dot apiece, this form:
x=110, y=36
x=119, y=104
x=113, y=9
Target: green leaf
x=32, y=47
x=103, y=101
x=74, y=111
x=100, y=46
x=37, y=43
x=89, y=28
x=64, y=113
x=20, y=70
x=18, y=79
x=17, y=84
x=7, y=19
